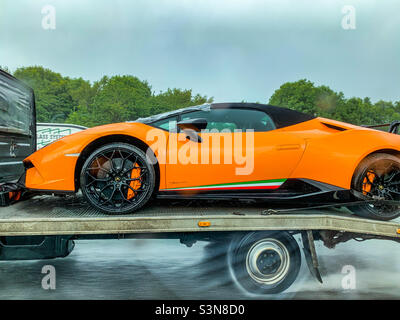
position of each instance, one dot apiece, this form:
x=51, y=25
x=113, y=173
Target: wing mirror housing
x=192, y=127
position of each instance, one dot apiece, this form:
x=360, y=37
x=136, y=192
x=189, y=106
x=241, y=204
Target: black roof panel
x=283, y=117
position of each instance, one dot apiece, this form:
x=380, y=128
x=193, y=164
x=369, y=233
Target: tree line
x=322, y=101
x=108, y=100
x=124, y=98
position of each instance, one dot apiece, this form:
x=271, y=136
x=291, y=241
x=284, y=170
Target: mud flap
x=310, y=254
x=35, y=247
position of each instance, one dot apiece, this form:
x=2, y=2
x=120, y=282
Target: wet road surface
x=166, y=269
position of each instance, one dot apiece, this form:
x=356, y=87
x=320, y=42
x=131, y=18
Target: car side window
x=168, y=124
x=231, y=119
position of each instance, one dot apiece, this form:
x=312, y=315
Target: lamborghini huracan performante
x=244, y=151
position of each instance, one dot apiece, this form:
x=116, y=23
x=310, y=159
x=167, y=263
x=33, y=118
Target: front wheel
x=117, y=178
x=378, y=177
x=265, y=262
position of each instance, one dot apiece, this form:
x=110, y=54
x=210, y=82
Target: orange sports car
x=225, y=151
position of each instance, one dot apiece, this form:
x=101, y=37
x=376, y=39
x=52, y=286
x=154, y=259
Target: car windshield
x=157, y=117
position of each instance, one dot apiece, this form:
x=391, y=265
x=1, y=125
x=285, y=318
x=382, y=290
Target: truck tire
x=117, y=178
x=265, y=262
x=378, y=175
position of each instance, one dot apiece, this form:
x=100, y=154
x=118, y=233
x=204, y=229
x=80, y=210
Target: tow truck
x=263, y=255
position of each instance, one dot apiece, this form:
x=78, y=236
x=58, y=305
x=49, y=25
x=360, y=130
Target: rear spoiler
x=393, y=127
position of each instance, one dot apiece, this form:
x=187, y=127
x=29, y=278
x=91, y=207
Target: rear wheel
x=117, y=178
x=265, y=262
x=378, y=176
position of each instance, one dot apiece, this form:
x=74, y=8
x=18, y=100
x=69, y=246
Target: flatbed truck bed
x=47, y=215
x=46, y=227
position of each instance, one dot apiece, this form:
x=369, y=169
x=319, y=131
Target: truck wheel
x=378, y=175
x=265, y=262
x=117, y=178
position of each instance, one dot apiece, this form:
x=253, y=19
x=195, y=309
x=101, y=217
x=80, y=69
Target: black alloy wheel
x=378, y=177
x=117, y=178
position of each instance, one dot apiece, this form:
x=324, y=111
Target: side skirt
x=320, y=196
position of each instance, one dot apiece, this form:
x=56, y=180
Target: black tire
x=265, y=262
x=108, y=184
x=372, y=179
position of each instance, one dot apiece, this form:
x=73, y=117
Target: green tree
x=304, y=96
x=122, y=98
x=115, y=99
x=81, y=92
x=173, y=99
x=53, y=100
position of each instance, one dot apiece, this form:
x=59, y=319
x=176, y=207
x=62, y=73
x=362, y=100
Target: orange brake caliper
x=367, y=182
x=135, y=173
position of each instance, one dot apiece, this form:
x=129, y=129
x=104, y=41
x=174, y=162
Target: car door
x=17, y=126
x=252, y=153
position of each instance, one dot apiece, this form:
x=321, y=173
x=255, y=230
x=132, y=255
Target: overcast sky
x=232, y=50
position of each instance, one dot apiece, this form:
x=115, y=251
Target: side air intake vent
x=331, y=126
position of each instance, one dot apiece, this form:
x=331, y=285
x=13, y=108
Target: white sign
x=49, y=132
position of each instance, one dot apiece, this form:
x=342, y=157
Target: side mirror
x=193, y=124
x=191, y=127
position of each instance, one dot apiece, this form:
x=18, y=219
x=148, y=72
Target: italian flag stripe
x=251, y=185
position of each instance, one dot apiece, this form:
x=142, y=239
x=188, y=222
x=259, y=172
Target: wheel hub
x=268, y=261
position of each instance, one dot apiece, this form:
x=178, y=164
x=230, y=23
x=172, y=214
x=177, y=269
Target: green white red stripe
x=249, y=185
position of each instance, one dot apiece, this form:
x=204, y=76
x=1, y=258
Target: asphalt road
x=165, y=269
